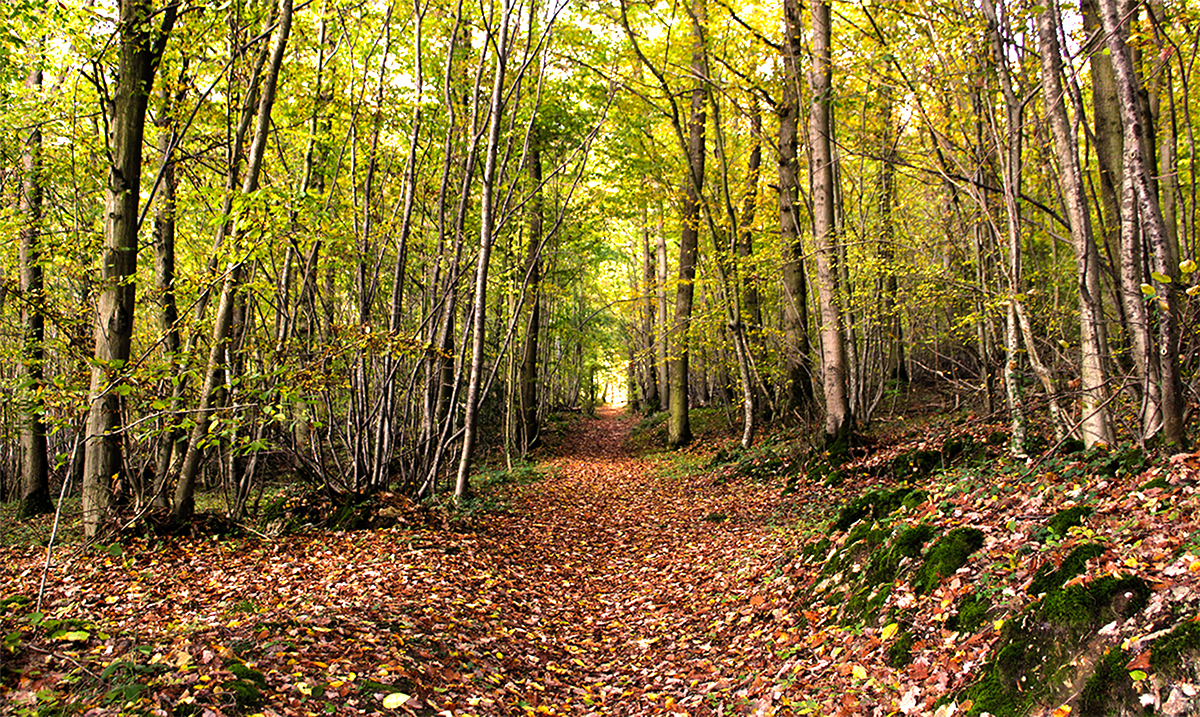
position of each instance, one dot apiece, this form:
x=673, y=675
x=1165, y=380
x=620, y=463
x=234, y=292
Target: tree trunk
x=679, y=429
x=1165, y=275
x=797, y=347
x=184, y=502
x=487, y=238
x=647, y=373
x=1011, y=189
x=533, y=277
x=35, y=465
x=140, y=52
x=662, y=334
x=1095, y=424
x=839, y=421
x=164, y=274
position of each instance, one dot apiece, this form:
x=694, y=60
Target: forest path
x=634, y=574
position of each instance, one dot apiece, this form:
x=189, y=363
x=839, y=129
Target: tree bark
x=140, y=50
x=797, y=346
x=679, y=429
x=487, y=238
x=1165, y=274
x=839, y=421
x=528, y=378
x=35, y=464
x=1095, y=424
x=1011, y=189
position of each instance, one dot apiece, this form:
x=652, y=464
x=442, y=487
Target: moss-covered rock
x=946, y=556
x=1048, y=578
x=1042, y=658
x=971, y=615
x=1109, y=685
x=1169, y=651
x=877, y=505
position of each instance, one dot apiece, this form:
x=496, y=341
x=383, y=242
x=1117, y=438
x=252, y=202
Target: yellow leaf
x=394, y=700
x=890, y=631
x=999, y=625
x=1062, y=711
x=860, y=672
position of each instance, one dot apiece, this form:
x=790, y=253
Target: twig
x=57, y=515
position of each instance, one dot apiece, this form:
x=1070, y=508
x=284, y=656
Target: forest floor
x=614, y=585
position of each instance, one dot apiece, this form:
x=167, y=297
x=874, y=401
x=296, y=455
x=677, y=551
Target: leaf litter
x=613, y=587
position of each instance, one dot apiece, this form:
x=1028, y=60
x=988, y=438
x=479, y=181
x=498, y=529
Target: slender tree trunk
x=1095, y=424
x=164, y=274
x=662, y=335
x=218, y=356
x=679, y=429
x=797, y=347
x=487, y=238
x=1011, y=186
x=893, y=325
x=140, y=51
x=35, y=465
x=839, y=421
x=528, y=379
x=650, y=328
x=1165, y=275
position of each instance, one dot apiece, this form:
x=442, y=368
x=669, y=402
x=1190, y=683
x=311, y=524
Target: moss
x=972, y=613
x=1109, y=686
x=911, y=541
x=1167, y=652
x=1047, y=578
x=946, y=556
x=1064, y=520
x=1093, y=604
x=818, y=549
x=994, y=692
x=914, y=499
x=1039, y=653
x=247, y=687
x=877, y=504
x=899, y=653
